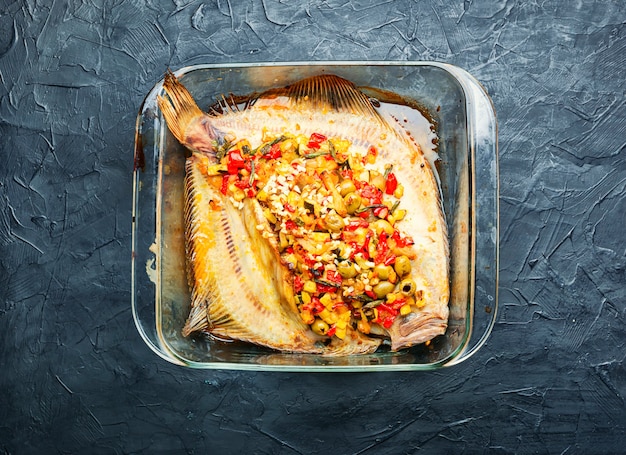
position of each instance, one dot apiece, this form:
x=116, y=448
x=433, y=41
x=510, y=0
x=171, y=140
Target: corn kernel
x=306, y=297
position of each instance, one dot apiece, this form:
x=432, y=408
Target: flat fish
x=245, y=283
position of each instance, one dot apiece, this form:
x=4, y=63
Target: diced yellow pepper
x=294, y=199
x=307, y=317
x=269, y=216
x=237, y=193
x=215, y=169
x=399, y=192
x=310, y=287
x=283, y=243
x=262, y=196
x=363, y=326
x=399, y=214
x=320, y=237
x=327, y=301
x=341, y=145
x=340, y=333
x=306, y=297
x=405, y=309
x=328, y=317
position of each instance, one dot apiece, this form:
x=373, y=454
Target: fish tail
x=185, y=120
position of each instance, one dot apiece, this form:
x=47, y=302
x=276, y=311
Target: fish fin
x=333, y=92
x=189, y=125
x=197, y=319
x=416, y=329
x=354, y=343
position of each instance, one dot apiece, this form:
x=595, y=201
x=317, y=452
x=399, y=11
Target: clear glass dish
x=468, y=170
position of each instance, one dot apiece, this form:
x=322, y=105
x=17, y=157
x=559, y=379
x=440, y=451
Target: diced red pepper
x=332, y=330
x=381, y=212
x=243, y=183
x=290, y=225
x=386, y=315
x=298, y=284
x=347, y=174
x=371, y=294
x=391, y=184
x=372, y=152
x=235, y=162
x=354, y=225
x=273, y=153
x=318, y=306
x=372, y=194
x=383, y=253
x=315, y=141
x=334, y=277
x=325, y=288
x=402, y=241
x=289, y=207
x=391, y=259
x=397, y=303
x=225, y=182
x=365, y=248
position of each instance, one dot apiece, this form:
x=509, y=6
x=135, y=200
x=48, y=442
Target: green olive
x=352, y=201
x=407, y=287
x=334, y=222
x=319, y=327
x=346, y=186
x=402, y=265
x=346, y=269
x=383, y=288
x=382, y=271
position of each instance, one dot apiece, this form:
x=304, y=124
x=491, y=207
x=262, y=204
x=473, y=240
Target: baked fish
x=311, y=224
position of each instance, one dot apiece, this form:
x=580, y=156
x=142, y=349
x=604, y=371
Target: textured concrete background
x=75, y=377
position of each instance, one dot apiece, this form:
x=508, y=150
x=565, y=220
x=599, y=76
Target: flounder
x=311, y=224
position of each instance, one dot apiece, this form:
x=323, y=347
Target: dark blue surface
x=75, y=375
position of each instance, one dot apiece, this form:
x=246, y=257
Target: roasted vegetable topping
x=335, y=219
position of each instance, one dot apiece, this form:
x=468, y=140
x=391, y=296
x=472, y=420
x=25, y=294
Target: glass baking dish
x=465, y=124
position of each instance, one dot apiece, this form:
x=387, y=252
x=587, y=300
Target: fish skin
x=349, y=116
x=238, y=286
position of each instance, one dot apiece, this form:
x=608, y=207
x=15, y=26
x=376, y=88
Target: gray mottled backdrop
x=75, y=377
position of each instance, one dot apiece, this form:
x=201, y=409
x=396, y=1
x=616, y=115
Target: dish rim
x=474, y=94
